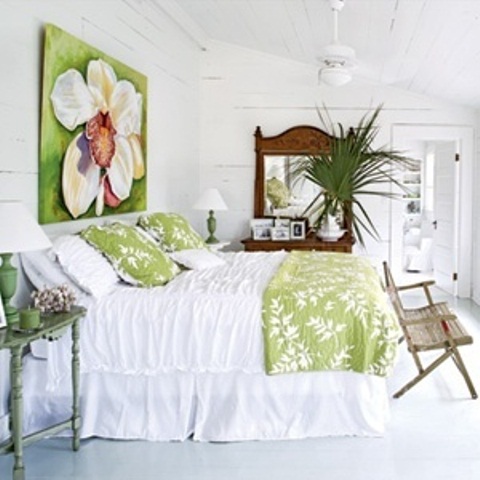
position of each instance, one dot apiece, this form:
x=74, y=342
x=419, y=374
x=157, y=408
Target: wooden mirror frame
x=298, y=140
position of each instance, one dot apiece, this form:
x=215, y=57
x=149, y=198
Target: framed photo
x=282, y=222
x=3, y=318
x=280, y=233
x=261, y=233
x=261, y=228
x=262, y=222
x=298, y=229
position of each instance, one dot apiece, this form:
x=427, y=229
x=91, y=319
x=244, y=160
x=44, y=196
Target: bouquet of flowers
x=54, y=300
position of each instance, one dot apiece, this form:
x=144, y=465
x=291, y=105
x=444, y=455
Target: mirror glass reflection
x=285, y=195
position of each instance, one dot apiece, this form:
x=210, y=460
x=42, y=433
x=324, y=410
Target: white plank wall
x=139, y=33
x=242, y=88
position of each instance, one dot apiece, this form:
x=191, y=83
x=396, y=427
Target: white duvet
x=202, y=321
x=187, y=359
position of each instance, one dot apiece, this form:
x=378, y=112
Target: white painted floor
x=434, y=433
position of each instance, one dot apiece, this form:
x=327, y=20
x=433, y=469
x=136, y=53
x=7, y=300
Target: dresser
x=344, y=244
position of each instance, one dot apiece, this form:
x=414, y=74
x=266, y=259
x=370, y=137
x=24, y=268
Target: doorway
x=431, y=229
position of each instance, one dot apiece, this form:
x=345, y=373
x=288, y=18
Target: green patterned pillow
x=136, y=259
x=172, y=231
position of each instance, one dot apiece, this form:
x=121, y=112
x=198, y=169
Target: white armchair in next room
x=419, y=258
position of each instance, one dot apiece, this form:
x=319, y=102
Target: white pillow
x=197, y=259
x=85, y=265
x=43, y=271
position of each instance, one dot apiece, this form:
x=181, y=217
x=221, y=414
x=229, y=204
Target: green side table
x=52, y=327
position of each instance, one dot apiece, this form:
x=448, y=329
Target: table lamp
x=20, y=232
x=211, y=200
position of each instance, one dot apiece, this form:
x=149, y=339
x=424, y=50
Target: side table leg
x=17, y=412
x=76, y=384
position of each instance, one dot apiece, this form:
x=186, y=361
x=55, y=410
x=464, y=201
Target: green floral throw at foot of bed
x=328, y=311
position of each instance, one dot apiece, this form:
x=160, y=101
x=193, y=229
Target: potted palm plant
x=351, y=169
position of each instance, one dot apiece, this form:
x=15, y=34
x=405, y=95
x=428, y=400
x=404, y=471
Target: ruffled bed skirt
x=211, y=407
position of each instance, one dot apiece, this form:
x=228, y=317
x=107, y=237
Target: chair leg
x=423, y=373
x=416, y=359
x=457, y=359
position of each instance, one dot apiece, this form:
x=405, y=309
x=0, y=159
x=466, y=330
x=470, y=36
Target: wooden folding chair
x=431, y=327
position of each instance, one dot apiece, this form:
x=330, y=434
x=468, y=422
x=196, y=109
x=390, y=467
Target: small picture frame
x=261, y=233
x=298, y=230
x=280, y=233
x=3, y=318
x=282, y=222
x=261, y=227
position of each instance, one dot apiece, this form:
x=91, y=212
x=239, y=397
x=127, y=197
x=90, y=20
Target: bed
x=187, y=359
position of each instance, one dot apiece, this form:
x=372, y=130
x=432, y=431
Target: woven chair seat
x=430, y=334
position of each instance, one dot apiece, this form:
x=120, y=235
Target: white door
x=445, y=237
x=403, y=136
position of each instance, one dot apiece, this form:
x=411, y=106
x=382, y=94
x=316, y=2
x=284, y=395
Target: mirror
x=284, y=195
x=276, y=192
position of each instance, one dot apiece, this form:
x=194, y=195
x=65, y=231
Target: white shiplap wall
x=139, y=33
x=242, y=88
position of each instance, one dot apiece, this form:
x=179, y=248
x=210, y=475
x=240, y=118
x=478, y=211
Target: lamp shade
x=210, y=200
x=20, y=232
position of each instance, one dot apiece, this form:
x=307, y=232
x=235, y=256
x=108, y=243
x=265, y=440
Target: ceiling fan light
x=335, y=76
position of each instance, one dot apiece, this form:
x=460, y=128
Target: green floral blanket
x=328, y=311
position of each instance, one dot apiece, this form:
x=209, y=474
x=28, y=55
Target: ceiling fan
x=337, y=60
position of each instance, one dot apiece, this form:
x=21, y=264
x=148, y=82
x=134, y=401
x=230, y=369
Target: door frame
x=401, y=134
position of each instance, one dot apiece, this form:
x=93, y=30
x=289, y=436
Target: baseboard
x=4, y=430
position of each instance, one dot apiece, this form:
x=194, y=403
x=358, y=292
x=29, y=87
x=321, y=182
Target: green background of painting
x=62, y=52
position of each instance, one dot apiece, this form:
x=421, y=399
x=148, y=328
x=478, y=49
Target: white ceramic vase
x=330, y=230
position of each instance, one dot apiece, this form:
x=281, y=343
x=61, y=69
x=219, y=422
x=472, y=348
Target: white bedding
x=202, y=321
x=220, y=407
x=200, y=337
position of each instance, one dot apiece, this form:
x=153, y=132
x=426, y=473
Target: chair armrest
x=426, y=283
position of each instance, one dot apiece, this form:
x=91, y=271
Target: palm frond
x=350, y=169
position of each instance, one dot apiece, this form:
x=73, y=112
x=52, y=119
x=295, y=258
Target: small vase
x=331, y=223
x=330, y=230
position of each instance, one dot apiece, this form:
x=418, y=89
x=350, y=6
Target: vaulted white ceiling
x=425, y=46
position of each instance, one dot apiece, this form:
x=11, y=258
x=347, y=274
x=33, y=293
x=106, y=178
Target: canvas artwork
x=93, y=133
